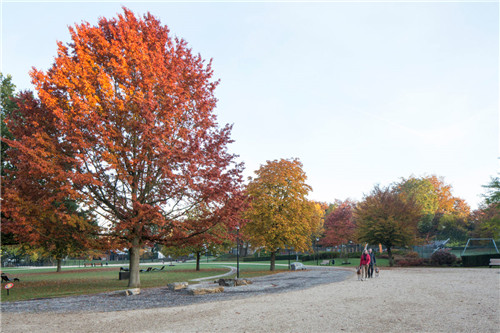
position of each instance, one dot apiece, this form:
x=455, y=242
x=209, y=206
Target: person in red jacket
x=363, y=264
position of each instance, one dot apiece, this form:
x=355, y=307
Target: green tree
x=7, y=104
x=493, y=188
x=280, y=215
x=387, y=217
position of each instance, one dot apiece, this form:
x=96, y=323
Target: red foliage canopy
x=134, y=107
x=340, y=227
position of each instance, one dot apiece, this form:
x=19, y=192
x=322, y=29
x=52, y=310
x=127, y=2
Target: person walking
x=363, y=264
x=373, y=262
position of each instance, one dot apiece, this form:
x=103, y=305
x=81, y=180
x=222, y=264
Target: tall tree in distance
x=493, y=194
x=8, y=106
x=385, y=216
x=135, y=107
x=280, y=216
x=340, y=226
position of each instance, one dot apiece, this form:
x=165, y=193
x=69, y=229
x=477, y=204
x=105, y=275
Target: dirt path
x=408, y=300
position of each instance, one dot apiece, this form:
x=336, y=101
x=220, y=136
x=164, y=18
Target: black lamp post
x=288, y=257
x=317, y=252
x=238, y=252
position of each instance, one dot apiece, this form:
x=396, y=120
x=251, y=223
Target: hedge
x=330, y=255
x=478, y=260
x=267, y=258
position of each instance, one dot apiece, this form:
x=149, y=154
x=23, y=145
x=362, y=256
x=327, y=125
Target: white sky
x=363, y=93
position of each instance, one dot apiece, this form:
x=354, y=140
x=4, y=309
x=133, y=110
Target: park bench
x=494, y=262
x=5, y=278
x=295, y=266
x=158, y=269
x=92, y=264
x=325, y=262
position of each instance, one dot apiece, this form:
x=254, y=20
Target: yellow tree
x=279, y=214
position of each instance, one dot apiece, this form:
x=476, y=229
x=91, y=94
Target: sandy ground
x=400, y=300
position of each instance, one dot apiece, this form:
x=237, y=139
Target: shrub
x=322, y=255
x=411, y=262
x=411, y=255
x=409, y=259
x=443, y=257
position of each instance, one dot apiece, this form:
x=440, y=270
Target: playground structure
x=480, y=247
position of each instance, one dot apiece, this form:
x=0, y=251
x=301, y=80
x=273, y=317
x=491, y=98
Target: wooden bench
x=494, y=262
x=325, y=262
x=92, y=264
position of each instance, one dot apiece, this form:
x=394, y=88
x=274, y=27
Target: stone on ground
x=177, y=285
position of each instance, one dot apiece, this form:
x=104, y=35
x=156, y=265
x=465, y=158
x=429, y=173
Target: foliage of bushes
x=443, y=257
x=478, y=260
x=268, y=258
x=408, y=259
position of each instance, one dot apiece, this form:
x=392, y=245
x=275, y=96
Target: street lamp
x=238, y=252
x=317, y=252
x=206, y=251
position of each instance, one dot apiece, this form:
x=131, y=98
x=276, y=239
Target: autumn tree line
x=119, y=148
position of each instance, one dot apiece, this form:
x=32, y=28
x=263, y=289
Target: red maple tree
x=340, y=227
x=136, y=107
x=40, y=207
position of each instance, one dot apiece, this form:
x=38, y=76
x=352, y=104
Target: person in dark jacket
x=373, y=262
x=363, y=264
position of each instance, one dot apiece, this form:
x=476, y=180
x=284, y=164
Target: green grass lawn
x=41, y=283
x=46, y=282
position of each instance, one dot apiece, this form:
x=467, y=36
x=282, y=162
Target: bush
x=268, y=258
x=443, y=257
x=410, y=258
x=410, y=262
x=322, y=255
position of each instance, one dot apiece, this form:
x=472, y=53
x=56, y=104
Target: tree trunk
x=134, y=280
x=244, y=250
x=389, y=253
x=198, y=255
x=273, y=261
x=59, y=260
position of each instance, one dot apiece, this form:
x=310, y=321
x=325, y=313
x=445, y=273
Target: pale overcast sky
x=363, y=93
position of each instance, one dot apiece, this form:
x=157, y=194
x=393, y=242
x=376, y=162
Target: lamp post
x=288, y=257
x=238, y=252
x=317, y=252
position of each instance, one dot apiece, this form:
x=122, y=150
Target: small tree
x=340, y=226
x=385, y=217
x=280, y=215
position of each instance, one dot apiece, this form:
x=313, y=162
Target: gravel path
x=400, y=300
x=163, y=297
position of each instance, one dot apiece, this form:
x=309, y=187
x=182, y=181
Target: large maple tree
x=135, y=106
x=280, y=215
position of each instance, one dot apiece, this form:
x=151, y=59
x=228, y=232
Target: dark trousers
x=370, y=270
